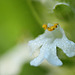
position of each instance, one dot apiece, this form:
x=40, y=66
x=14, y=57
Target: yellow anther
x=44, y=26
x=51, y=29
x=55, y=25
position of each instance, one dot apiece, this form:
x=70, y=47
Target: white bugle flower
x=54, y=36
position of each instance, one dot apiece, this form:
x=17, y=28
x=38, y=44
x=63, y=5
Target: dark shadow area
x=27, y=69
x=64, y=12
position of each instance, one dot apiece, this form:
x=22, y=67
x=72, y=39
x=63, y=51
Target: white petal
x=38, y=60
x=67, y=46
x=37, y=43
x=51, y=56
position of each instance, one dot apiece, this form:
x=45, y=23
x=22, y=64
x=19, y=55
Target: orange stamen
x=50, y=28
x=44, y=26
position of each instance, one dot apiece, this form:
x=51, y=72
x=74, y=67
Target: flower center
x=50, y=28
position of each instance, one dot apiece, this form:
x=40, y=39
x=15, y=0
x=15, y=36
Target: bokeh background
x=21, y=21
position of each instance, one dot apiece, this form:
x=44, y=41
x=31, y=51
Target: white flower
x=47, y=43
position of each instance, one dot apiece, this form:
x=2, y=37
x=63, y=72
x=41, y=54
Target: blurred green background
x=22, y=19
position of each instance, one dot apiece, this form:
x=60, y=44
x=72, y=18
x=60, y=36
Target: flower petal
x=38, y=60
x=67, y=46
x=51, y=56
x=35, y=44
